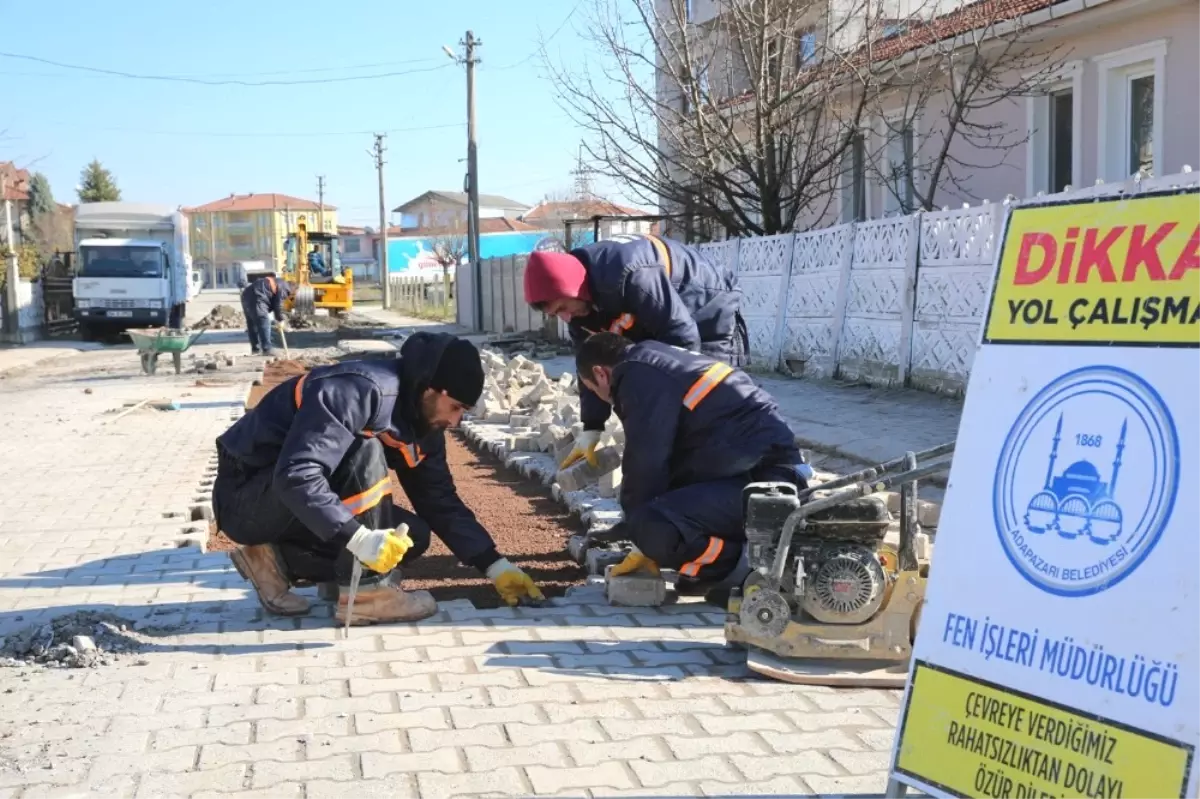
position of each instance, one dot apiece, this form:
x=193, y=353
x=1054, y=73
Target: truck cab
x=133, y=268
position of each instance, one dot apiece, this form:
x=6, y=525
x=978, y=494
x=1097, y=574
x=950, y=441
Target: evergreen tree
x=41, y=199
x=97, y=185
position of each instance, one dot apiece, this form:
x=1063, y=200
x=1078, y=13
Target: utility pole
x=469, y=44
x=12, y=307
x=385, y=277
x=321, y=203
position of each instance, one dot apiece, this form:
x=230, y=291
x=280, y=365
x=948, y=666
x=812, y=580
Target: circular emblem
x=1086, y=481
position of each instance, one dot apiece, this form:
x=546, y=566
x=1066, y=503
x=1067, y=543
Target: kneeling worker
x=262, y=298
x=302, y=482
x=646, y=288
x=697, y=432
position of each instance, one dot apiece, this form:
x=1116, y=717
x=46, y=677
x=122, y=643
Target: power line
x=561, y=25
x=255, y=134
x=212, y=82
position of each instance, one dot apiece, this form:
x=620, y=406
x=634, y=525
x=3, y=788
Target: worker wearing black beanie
x=459, y=372
x=303, y=483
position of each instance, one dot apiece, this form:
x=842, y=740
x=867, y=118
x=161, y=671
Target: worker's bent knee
x=657, y=538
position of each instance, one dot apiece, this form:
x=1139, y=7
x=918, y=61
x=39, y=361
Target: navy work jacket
x=691, y=419
x=303, y=428
x=264, y=296
x=653, y=289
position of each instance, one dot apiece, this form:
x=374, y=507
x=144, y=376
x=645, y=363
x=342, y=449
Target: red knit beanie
x=554, y=275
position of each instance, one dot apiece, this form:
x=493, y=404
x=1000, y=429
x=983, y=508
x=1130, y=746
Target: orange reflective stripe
x=411, y=452
x=360, y=503
x=664, y=254
x=622, y=323
x=712, y=376
x=296, y=394
x=715, y=546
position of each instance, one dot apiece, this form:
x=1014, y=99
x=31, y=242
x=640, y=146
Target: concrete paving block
x=520, y=420
x=584, y=474
x=610, y=484
x=635, y=590
x=575, y=546
x=598, y=560
x=525, y=443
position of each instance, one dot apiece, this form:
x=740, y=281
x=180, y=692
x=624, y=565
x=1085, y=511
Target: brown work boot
x=383, y=602
x=260, y=565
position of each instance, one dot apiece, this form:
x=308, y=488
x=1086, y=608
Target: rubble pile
x=210, y=362
x=81, y=640
x=223, y=317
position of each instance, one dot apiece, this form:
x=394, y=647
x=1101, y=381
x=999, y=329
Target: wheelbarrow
x=152, y=342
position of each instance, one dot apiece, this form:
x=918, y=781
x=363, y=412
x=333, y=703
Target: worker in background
x=302, y=482
x=262, y=298
x=645, y=288
x=316, y=262
x=697, y=432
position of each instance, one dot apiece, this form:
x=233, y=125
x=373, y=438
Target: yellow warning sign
x=972, y=738
x=1120, y=271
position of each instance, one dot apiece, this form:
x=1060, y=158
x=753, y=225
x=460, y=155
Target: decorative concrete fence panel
x=816, y=300
x=877, y=329
x=953, y=275
x=724, y=253
x=762, y=268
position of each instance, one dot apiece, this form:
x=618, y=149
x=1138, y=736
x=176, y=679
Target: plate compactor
x=828, y=602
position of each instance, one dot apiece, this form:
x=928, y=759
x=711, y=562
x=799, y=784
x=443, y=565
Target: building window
x=239, y=218
x=1131, y=111
x=688, y=10
x=1061, y=138
x=1054, y=144
x=773, y=62
x=352, y=245
x=899, y=153
x=1141, y=125
x=806, y=48
x=241, y=241
x=854, y=181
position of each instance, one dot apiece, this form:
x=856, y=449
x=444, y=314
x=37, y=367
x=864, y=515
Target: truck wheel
x=87, y=332
x=175, y=318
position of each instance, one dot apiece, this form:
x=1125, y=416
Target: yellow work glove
x=380, y=550
x=635, y=561
x=585, y=447
x=512, y=584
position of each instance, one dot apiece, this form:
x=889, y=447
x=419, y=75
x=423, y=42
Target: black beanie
x=459, y=372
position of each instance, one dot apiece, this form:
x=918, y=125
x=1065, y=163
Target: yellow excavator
x=314, y=273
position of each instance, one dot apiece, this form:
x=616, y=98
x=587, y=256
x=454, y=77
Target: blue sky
x=184, y=144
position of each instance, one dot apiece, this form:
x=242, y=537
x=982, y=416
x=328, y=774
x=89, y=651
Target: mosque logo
x=1081, y=528
x=1077, y=502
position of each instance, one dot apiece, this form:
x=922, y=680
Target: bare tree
x=740, y=119
x=449, y=247
x=753, y=117
x=942, y=96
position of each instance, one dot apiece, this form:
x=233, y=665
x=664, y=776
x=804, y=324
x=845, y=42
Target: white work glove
x=380, y=550
x=585, y=447
x=512, y=584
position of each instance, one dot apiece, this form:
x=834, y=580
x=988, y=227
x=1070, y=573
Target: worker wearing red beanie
x=644, y=288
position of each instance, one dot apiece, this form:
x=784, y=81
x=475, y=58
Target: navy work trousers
x=258, y=327
x=249, y=511
x=699, y=529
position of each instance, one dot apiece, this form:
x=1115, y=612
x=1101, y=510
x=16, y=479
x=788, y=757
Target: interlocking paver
x=557, y=780
x=232, y=703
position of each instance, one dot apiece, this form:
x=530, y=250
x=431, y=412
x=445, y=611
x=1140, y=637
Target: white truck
x=133, y=267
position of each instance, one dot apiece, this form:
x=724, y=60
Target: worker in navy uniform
x=262, y=298
x=316, y=263
x=302, y=482
x=697, y=432
x=645, y=288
